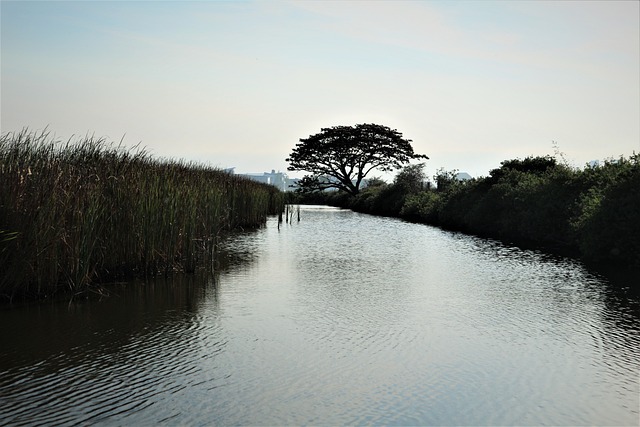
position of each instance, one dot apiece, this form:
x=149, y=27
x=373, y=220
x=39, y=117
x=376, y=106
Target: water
x=339, y=319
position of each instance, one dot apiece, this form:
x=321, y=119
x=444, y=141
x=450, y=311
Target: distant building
x=280, y=180
x=463, y=176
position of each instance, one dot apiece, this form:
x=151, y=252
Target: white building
x=280, y=180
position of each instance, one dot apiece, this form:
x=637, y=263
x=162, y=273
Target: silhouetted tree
x=341, y=156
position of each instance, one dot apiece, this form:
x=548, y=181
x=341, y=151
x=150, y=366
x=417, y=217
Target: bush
x=608, y=227
x=593, y=212
x=421, y=207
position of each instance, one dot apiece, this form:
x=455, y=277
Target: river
x=339, y=319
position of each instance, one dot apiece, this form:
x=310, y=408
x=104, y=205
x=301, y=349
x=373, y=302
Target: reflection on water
x=91, y=360
x=341, y=318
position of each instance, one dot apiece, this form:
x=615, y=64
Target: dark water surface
x=339, y=319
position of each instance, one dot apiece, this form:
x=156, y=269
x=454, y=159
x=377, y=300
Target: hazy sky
x=235, y=83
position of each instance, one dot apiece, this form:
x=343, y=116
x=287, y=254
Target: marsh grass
x=78, y=213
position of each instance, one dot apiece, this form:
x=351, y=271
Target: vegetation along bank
x=76, y=214
x=592, y=213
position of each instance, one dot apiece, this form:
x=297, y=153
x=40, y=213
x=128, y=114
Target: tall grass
x=78, y=213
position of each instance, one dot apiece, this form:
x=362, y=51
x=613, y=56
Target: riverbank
x=591, y=213
x=76, y=214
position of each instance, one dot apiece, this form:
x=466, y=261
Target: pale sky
x=237, y=84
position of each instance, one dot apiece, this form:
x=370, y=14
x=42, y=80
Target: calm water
x=341, y=318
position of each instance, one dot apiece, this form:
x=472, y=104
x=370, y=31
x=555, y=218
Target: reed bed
x=79, y=213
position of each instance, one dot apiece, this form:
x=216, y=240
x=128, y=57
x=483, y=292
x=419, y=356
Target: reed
x=83, y=212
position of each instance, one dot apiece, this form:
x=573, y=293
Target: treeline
x=79, y=213
x=592, y=213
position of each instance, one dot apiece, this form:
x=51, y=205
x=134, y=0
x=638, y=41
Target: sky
x=238, y=83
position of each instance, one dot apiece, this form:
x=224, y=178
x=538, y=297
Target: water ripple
x=341, y=319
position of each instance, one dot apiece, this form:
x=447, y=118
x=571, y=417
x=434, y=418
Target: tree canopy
x=342, y=156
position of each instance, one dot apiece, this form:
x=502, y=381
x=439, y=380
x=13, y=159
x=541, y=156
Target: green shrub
x=536, y=201
x=421, y=207
x=608, y=226
x=593, y=212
